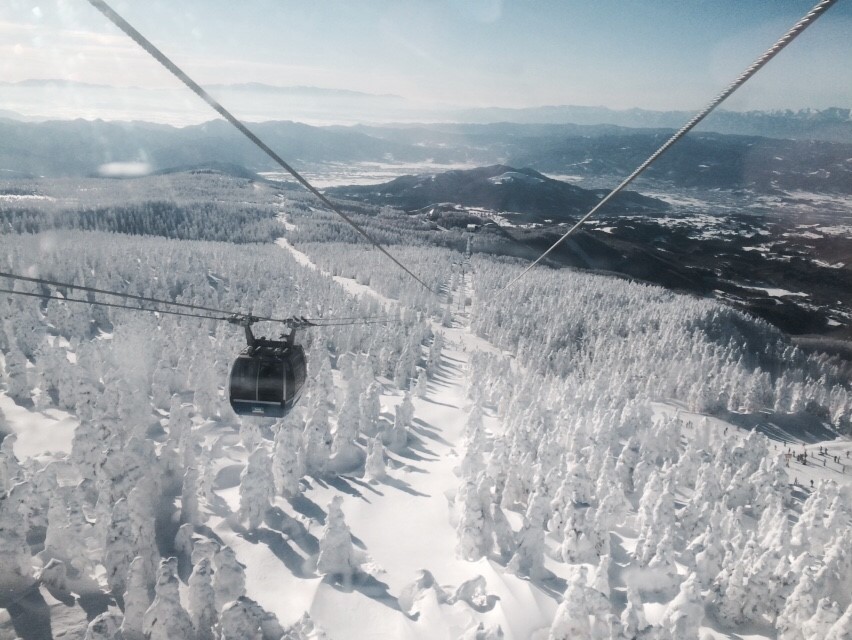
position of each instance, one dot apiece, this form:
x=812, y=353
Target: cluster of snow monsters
x=658, y=345
x=181, y=206
x=635, y=499
x=697, y=518
x=147, y=392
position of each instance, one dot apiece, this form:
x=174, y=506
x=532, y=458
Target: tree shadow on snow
x=298, y=565
x=447, y=360
x=799, y=492
x=28, y=610
x=428, y=431
x=395, y=464
x=366, y=585
x=416, y=443
x=307, y=508
x=364, y=484
x=219, y=507
x=746, y=630
x=781, y=427
x=166, y=524
x=94, y=603
x=228, y=477
x=341, y=484
x=549, y=583
x=403, y=486
x=207, y=532
x=441, y=404
x=441, y=379
x=409, y=454
x=293, y=529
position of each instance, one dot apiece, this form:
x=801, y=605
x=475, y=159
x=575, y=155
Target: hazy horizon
x=437, y=56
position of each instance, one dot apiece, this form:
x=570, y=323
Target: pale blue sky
x=618, y=53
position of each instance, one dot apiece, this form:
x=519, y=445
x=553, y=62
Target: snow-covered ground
x=337, y=174
x=411, y=527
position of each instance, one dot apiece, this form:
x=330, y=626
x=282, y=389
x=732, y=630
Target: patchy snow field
x=334, y=174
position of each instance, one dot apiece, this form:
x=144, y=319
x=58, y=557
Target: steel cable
x=47, y=296
x=755, y=66
x=160, y=57
x=158, y=301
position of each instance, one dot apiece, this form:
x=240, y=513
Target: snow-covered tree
x=819, y=624
x=166, y=619
x=245, y=618
x=105, y=626
x=396, y=438
x=136, y=600
x=317, y=439
x=256, y=487
x=369, y=408
x=202, y=600
x=229, y=578
x=471, y=530
x=54, y=575
x=239, y=623
x=345, y=453
x=336, y=553
x=798, y=609
x=11, y=470
x=118, y=550
x=250, y=435
x=288, y=462
x=421, y=388
x=841, y=629
x=528, y=559
x=683, y=615
x=633, y=622
x=374, y=467
x=17, y=384
x=572, y=615
x=189, y=511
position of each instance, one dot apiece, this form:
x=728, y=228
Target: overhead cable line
x=787, y=38
x=301, y=322
x=67, y=285
x=226, y=313
x=346, y=324
x=160, y=57
x=115, y=305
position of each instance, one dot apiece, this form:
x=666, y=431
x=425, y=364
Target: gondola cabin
x=267, y=377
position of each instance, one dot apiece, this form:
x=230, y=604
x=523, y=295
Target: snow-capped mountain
x=498, y=188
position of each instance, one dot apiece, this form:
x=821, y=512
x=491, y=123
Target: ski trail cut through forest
x=403, y=525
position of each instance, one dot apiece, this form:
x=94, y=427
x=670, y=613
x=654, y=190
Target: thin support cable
x=107, y=292
x=755, y=66
x=158, y=301
x=229, y=318
x=160, y=57
x=114, y=305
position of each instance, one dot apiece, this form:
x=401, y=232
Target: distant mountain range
x=80, y=147
x=63, y=99
x=588, y=153
x=500, y=188
x=833, y=124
